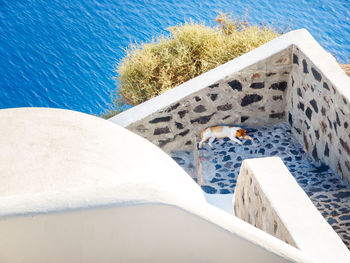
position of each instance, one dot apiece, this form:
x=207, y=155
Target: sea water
x=63, y=54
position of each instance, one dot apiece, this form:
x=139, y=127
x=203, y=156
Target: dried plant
x=189, y=50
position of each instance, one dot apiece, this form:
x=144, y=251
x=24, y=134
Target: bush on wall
x=189, y=50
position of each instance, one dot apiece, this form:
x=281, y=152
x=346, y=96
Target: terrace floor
x=219, y=168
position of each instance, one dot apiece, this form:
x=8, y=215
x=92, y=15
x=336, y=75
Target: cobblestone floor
x=220, y=168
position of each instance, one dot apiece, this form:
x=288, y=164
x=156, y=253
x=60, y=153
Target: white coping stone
x=63, y=165
x=300, y=38
x=310, y=231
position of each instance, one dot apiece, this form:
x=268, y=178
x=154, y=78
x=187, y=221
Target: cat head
x=241, y=133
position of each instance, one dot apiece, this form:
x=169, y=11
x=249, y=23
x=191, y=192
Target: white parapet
x=268, y=197
x=300, y=38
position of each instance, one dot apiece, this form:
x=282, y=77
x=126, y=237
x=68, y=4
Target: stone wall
x=274, y=83
x=319, y=115
x=254, y=96
x=253, y=206
x=268, y=197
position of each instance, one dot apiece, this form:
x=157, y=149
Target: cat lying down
x=220, y=132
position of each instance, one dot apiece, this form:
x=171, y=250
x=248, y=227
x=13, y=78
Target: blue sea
x=63, y=54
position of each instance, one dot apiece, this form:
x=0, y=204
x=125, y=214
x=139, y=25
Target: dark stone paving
x=219, y=169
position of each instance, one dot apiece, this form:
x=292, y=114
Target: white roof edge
x=274, y=46
x=124, y=194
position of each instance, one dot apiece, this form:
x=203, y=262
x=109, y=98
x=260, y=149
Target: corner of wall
x=318, y=110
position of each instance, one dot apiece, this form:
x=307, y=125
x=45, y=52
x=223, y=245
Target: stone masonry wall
x=268, y=197
x=255, y=96
x=252, y=206
x=319, y=115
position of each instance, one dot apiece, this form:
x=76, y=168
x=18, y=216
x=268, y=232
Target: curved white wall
x=145, y=233
x=69, y=156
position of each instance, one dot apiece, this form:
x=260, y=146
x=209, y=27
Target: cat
x=219, y=132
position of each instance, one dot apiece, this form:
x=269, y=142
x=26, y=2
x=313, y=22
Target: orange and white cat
x=220, y=132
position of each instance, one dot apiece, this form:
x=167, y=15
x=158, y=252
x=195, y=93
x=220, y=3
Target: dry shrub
x=346, y=68
x=189, y=50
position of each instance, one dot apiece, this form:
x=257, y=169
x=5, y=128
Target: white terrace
x=76, y=188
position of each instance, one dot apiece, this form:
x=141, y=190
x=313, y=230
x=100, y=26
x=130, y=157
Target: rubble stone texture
x=319, y=115
x=254, y=96
x=284, y=88
x=220, y=168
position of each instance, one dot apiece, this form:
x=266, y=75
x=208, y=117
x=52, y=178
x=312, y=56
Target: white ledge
x=301, y=38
